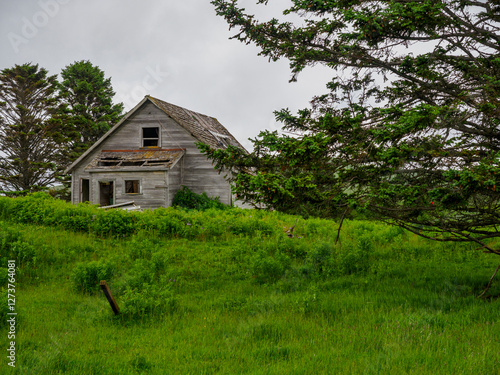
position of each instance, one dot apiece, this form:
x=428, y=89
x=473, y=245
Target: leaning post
x=109, y=296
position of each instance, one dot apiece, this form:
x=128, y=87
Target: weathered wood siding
x=174, y=178
x=77, y=175
x=194, y=170
x=152, y=187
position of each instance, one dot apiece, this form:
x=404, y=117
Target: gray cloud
x=178, y=51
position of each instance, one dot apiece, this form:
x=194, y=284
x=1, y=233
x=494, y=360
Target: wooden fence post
x=109, y=296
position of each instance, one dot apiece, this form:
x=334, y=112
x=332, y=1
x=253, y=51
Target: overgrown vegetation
x=407, y=128
x=40, y=208
x=185, y=198
x=232, y=293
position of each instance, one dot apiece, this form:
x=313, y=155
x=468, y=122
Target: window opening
x=131, y=186
x=150, y=137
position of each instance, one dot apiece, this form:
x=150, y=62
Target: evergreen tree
x=30, y=138
x=87, y=105
x=409, y=127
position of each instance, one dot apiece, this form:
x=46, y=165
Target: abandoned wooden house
x=149, y=155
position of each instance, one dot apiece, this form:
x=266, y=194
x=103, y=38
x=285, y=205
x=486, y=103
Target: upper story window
x=151, y=137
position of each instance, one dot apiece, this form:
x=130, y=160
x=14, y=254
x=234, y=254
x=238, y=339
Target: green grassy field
x=227, y=292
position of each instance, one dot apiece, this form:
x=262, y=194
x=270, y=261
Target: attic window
x=150, y=137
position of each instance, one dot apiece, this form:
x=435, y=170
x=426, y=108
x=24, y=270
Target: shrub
x=142, y=272
x=147, y=300
x=320, y=258
x=113, y=222
x=8, y=237
x=76, y=220
x=141, y=249
x=23, y=252
x=250, y=225
x=354, y=258
x=187, y=199
x=267, y=268
x=325, y=260
x=41, y=209
x=87, y=276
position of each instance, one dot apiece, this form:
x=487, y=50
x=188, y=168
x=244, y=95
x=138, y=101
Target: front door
x=84, y=190
x=106, y=193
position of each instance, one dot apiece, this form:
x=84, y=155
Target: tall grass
x=231, y=293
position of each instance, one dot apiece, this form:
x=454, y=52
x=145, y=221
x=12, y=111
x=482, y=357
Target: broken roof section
x=204, y=128
x=135, y=159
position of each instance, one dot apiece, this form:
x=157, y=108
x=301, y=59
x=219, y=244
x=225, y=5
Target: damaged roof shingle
x=204, y=128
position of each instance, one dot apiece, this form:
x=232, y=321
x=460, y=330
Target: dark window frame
x=132, y=186
x=148, y=139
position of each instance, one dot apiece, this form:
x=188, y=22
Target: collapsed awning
x=135, y=159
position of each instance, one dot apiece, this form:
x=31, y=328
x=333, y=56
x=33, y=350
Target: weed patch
x=87, y=276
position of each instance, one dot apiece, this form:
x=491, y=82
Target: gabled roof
x=204, y=128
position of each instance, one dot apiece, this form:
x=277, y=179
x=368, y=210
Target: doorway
x=85, y=190
x=106, y=193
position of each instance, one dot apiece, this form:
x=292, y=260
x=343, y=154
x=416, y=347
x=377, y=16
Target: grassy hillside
x=228, y=292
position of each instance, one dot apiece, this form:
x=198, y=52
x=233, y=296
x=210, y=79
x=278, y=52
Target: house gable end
x=121, y=165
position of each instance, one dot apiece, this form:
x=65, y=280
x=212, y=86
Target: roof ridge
x=200, y=126
x=183, y=108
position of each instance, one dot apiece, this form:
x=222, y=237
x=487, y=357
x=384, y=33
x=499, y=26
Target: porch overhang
x=135, y=160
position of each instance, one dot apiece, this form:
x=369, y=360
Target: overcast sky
x=177, y=51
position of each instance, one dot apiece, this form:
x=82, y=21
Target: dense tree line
x=45, y=124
